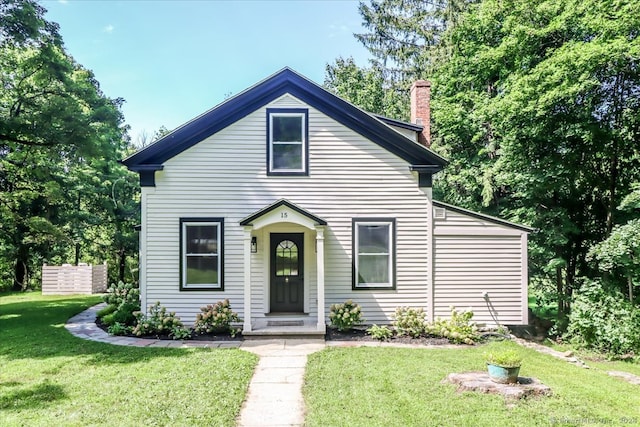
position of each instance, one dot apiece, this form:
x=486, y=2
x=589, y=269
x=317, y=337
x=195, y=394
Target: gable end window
x=287, y=141
x=374, y=245
x=201, y=254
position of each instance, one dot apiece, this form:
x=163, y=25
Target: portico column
x=247, y=279
x=320, y=278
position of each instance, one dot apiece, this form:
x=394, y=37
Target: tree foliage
x=537, y=107
x=535, y=104
x=366, y=88
x=619, y=255
x=60, y=138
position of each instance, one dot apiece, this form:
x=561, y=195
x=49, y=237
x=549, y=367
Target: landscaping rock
x=566, y=356
x=630, y=378
x=481, y=383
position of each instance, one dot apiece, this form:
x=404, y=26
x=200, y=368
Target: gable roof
x=151, y=157
x=484, y=217
x=399, y=123
x=282, y=202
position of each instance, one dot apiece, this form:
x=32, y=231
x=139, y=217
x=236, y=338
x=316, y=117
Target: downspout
x=428, y=191
x=144, y=197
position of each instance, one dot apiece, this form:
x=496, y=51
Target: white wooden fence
x=74, y=279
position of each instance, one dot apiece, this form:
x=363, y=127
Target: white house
x=286, y=199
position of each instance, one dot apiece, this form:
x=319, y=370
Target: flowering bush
x=458, y=328
x=216, y=318
x=410, y=321
x=344, y=316
x=120, y=293
x=159, y=322
x=123, y=300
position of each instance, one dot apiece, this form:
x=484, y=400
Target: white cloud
x=108, y=29
x=63, y=1
x=338, y=29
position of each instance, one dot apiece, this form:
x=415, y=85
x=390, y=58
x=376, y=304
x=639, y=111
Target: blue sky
x=172, y=60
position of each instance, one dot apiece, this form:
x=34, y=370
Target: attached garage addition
x=480, y=263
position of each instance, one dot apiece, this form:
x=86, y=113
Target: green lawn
x=402, y=387
x=547, y=311
x=50, y=378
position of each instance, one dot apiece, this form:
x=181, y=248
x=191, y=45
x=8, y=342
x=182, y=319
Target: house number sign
x=284, y=215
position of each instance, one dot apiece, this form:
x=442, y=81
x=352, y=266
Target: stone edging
x=566, y=356
x=83, y=325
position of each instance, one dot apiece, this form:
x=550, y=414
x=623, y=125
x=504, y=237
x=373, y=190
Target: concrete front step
x=284, y=334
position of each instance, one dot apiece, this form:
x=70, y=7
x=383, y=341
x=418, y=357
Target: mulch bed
x=194, y=337
x=360, y=334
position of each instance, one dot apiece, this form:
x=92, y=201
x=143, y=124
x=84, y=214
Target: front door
x=287, y=268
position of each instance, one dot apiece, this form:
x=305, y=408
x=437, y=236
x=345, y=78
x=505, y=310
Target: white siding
x=225, y=176
x=474, y=256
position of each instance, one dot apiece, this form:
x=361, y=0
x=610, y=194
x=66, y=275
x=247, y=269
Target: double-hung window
x=287, y=141
x=374, y=253
x=201, y=252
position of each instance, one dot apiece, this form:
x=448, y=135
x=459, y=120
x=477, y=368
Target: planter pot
x=502, y=375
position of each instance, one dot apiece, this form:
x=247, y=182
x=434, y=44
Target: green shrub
x=345, y=316
x=216, y=318
x=124, y=313
x=158, y=322
x=604, y=320
x=109, y=319
x=409, y=321
x=180, y=333
x=459, y=328
x=123, y=301
x=381, y=333
x=118, y=329
x=106, y=310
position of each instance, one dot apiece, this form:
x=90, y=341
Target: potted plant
x=503, y=364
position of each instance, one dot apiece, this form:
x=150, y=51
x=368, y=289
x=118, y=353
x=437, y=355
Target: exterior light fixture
x=254, y=245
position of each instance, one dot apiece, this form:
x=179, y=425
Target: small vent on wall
x=439, y=213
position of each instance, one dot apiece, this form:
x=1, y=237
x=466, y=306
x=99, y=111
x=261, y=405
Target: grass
x=397, y=386
x=598, y=360
x=546, y=311
x=49, y=377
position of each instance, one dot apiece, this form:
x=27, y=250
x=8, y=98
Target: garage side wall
x=480, y=265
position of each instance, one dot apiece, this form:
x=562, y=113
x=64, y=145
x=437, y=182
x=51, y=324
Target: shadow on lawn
x=35, y=329
x=37, y=396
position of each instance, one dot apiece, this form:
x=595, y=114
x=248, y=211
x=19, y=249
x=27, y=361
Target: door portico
x=281, y=226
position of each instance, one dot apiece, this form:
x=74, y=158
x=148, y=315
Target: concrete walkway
x=275, y=392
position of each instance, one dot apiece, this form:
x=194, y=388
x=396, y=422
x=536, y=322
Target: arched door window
x=286, y=258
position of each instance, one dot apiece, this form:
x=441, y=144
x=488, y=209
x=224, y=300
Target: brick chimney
x=420, y=109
